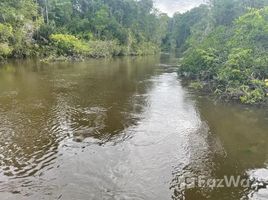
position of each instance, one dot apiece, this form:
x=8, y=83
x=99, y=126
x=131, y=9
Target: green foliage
x=145, y=48
x=5, y=50
x=44, y=32
x=181, y=26
x=197, y=85
x=224, y=12
x=107, y=20
x=96, y=28
x=101, y=20
x=69, y=44
x=16, y=13
x=232, y=57
x=18, y=21
x=200, y=64
x=252, y=96
x=6, y=32
x=100, y=49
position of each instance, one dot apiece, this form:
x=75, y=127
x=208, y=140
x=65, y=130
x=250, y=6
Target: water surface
x=121, y=128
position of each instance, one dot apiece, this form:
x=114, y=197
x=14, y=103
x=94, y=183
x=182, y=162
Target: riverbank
x=206, y=88
x=77, y=30
x=64, y=47
x=230, y=59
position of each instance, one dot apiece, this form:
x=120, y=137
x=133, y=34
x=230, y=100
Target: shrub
x=44, y=31
x=200, y=64
x=144, y=48
x=5, y=50
x=5, y=32
x=197, y=85
x=252, y=96
x=104, y=48
x=69, y=44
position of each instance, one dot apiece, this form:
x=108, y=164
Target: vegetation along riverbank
x=223, y=44
x=77, y=29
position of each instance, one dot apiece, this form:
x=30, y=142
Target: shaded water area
x=122, y=129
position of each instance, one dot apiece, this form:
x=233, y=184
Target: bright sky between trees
x=172, y=6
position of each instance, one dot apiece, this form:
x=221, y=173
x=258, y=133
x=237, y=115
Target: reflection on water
x=242, y=131
x=41, y=105
x=123, y=128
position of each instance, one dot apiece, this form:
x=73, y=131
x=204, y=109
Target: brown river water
x=123, y=129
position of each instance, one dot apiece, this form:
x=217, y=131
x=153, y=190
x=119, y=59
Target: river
x=123, y=129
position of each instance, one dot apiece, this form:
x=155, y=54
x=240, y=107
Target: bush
x=5, y=50
x=197, y=85
x=252, y=96
x=43, y=33
x=144, y=48
x=5, y=32
x=69, y=44
x=104, y=49
x=200, y=64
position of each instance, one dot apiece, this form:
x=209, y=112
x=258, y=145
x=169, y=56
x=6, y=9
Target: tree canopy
x=132, y=25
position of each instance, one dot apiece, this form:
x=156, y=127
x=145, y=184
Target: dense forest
x=80, y=28
x=223, y=44
x=225, y=48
